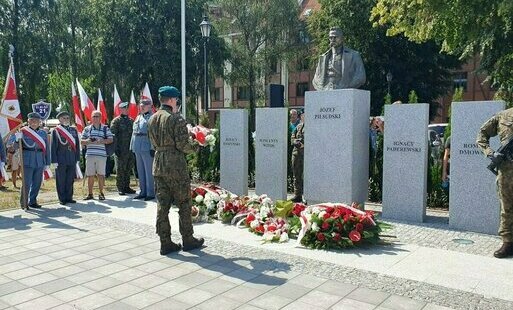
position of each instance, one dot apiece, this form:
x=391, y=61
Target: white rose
x=254, y=224
x=316, y=210
x=268, y=236
x=199, y=199
x=315, y=227
x=284, y=237
x=321, y=214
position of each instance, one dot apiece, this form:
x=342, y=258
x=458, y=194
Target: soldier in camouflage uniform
x=298, y=153
x=502, y=125
x=170, y=138
x=121, y=126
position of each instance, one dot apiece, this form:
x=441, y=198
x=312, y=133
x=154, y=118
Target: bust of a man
x=339, y=67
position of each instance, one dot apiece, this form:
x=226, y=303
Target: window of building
x=460, y=80
x=217, y=94
x=242, y=93
x=301, y=88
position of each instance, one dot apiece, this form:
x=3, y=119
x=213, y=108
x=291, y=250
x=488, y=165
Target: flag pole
x=184, y=105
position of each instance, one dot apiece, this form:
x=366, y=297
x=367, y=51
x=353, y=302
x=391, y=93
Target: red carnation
x=321, y=237
x=359, y=227
x=200, y=137
x=355, y=236
x=339, y=226
x=200, y=191
x=330, y=210
x=260, y=229
x=271, y=227
x=250, y=218
x=336, y=237
x=326, y=216
x=325, y=226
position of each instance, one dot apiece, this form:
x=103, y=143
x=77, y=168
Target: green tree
x=412, y=97
x=413, y=66
x=463, y=28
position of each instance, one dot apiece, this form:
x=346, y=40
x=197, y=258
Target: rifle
x=507, y=151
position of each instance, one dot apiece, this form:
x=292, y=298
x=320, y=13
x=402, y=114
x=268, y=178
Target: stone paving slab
x=237, y=276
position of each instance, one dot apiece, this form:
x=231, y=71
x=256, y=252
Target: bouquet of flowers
x=204, y=201
x=326, y=226
x=203, y=135
x=229, y=207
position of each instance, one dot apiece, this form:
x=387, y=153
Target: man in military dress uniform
x=65, y=156
x=140, y=145
x=36, y=158
x=298, y=153
x=501, y=124
x=121, y=127
x=170, y=138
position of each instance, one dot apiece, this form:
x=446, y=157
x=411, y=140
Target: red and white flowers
x=203, y=135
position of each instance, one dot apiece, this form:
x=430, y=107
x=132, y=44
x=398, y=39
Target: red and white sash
x=32, y=134
x=63, y=132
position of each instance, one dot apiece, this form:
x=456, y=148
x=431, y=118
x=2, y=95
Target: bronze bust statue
x=339, y=67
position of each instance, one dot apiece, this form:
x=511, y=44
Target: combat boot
x=505, y=250
x=167, y=246
x=192, y=243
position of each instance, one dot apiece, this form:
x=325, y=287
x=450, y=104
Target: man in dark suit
x=65, y=156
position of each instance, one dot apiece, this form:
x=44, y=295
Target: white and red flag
x=146, y=94
x=85, y=103
x=133, y=109
x=10, y=113
x=117, y=101
x=101, y=107
x=79, y=121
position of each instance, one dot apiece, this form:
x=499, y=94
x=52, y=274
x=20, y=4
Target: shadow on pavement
x=44, y=216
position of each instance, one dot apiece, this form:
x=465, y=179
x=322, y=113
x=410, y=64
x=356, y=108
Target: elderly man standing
x=65, y=155
x=140, y=145
x=94, y=138
x=169, y=136
x=121, y=127
x=36, y=158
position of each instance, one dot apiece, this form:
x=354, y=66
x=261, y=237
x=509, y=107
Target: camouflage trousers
x=170, y=191
x=124, y=164
x=297, y=169
x=505, y=189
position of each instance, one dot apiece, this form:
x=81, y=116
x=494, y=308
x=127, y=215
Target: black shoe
x=35, y=206
x=192, y=243
x=101, y=196
x=297, y=199
x=506, y=250
x=72, y=201
x=89, y=197
x=130, y=191
x=140, y=196
x=167, y=247
x=121, y=193
x=62, y=202
x=149, y=198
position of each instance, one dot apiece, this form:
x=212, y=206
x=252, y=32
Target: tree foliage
x=463, y=28
x=418, y=67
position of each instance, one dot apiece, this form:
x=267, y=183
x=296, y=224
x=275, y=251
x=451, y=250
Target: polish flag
x=85, y=103
x=79, y=121
x=117, y=101
x=147, y=95
x=133, y=110
x=10, y=113
x=101, y=107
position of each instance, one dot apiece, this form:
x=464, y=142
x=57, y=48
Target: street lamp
x=205, y=27
x=389, y=80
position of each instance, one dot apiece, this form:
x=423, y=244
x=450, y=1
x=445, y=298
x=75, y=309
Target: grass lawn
x=10, y=198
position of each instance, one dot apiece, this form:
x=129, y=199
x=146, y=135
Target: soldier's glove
x=496, y=158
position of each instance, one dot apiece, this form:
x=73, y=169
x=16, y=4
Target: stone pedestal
x=473, y=201
x=271, y=152
x=405, y=162
x=336, y=167
x=234, y=151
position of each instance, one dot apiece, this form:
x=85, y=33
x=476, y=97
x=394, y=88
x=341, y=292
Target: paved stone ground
x=64, y=259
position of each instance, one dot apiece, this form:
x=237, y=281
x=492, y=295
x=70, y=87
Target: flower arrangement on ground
x=204, y=201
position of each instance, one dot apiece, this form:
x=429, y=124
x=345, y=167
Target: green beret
x=63, y=113
x=169, y=91
x=34, y=115
x=123, y=105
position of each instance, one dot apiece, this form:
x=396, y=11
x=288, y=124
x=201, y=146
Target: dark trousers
x=297, y=168
x=64, y=178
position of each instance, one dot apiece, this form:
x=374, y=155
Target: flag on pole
x=117, y=101
x=10, y=113
x=85, y=103
x=101, y=107
x=133, y=110
x=146, y=94
x=79, y=121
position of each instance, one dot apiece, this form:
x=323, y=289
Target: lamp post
x=205, y=27
x=389, y=81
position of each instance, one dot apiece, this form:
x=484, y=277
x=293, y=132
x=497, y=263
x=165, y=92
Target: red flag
x=79, y=121
x=10, y=113
x=101, y=107
x=117, y=101
x=133, y=110
x=85, y=103
x=146, y=94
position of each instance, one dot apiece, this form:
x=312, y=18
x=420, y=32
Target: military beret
x=63, y=113
x=123, y=105
x=34, y=115
x=169, y=91
x=146, y=101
